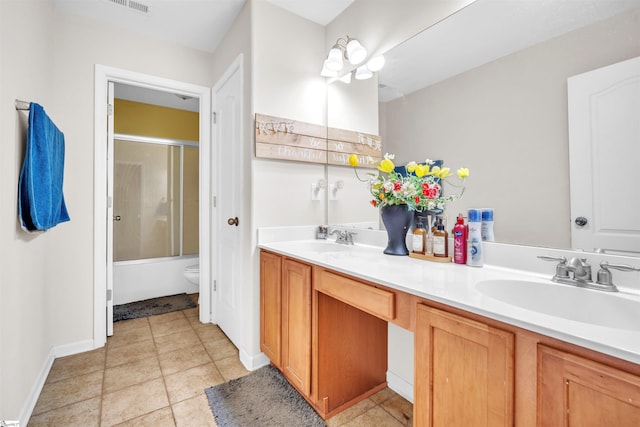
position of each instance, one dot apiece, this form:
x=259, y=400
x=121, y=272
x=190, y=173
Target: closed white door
x=228, y=276
x=604, y=148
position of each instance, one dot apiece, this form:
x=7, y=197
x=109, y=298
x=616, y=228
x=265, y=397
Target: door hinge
x=215, y=117
x=110, y=109
x=215, y=285
x=109, y=294
x=215, y=201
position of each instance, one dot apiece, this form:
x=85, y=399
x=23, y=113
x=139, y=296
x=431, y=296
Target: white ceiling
x=200, y=24
x=480, y=33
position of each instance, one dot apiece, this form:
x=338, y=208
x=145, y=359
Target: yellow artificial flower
x=421, y=170
x=353, y=160
x=439, y=172
x=444, y=172
x=411, y=167
x=386, y=165
x=463, y=173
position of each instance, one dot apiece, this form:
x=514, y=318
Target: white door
x=227, y=108
x=110, y=216
x=604, y=148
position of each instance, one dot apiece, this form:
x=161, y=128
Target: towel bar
x=22, y=105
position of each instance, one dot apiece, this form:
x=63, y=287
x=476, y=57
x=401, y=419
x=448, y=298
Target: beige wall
x=47, y=279
x=507, y=122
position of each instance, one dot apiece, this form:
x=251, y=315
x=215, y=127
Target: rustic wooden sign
x=285, y=139
x=367, y=147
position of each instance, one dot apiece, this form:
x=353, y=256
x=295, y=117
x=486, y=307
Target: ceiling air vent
x=138, y=6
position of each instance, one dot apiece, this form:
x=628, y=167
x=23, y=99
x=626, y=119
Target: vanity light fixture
x=376, y=63
x=349, y=49
x=356, y=53
x=363, y=73
x=326, y=72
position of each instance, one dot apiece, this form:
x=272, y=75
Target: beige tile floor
x=153, y=372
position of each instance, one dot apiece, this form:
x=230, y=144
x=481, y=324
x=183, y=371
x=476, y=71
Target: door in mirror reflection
x=604, y=146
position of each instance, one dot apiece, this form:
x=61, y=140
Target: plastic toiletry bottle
x=487, y=225
x=419, y=238
x=474, y=244
x=429, y=240
x=460, y=231
x=440, y=239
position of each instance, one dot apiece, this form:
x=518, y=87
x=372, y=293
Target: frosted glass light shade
x=334, y=60
x=376, y=63
x=356, y=52
x=326, y=72
x=363, y=73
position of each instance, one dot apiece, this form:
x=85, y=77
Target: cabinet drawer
x=375, y=301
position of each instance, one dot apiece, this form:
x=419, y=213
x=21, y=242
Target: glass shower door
x=146, y=200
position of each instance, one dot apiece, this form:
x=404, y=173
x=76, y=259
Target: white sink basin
x=321, y=246
x=611, y=310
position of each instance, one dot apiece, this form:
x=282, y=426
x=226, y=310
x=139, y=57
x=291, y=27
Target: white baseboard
x=400, y=386
x=36, y=389
x=253, y=362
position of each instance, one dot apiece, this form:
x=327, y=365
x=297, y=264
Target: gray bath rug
x=261, y=399
x=150, y=307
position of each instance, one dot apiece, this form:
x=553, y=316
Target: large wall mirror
x=486, y=88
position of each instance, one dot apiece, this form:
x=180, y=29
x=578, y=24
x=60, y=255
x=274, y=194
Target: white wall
x=286, y=53
x=49, y=57
x=507, y=122
x=287, y=57
x=26, y=283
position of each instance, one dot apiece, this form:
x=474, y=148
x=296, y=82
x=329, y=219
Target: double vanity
x=492, y=346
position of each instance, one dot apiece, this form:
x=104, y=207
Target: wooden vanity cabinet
x=576, y=391
x=326, y=343
x=350, y=340
x=271, y=306
x=296, y=324
x=285, y=317
x=464, y=371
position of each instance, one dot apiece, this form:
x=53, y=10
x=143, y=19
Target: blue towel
x=40, y=200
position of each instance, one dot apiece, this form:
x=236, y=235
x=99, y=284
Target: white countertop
x=455, y=285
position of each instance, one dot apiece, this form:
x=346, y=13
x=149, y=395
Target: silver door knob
x=581, y=221
x=233, y=221
x=117, y=218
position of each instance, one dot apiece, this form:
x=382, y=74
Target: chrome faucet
x=580, y=268
x=605, y=279
x=343, y=237
x=576, y=271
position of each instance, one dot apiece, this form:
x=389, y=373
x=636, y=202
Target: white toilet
x=192, y=274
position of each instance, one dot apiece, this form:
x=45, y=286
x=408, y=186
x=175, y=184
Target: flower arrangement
x=420, y=189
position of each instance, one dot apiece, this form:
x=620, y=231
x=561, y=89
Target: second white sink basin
x=599, y=308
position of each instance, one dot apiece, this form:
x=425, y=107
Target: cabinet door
x=574, y=391
x=296, y=324
x=463, y=371
x=270, y=306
